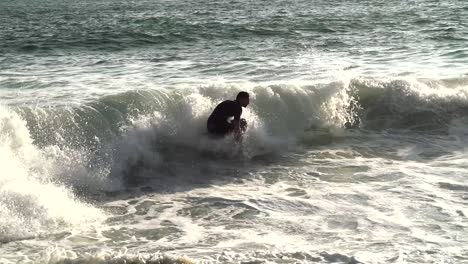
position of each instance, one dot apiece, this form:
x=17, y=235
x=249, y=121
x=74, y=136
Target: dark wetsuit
x=218, y=121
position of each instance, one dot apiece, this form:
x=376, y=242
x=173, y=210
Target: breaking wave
x=74, y=151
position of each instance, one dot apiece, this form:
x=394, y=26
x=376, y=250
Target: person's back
x=224, y=111
x=218, y=123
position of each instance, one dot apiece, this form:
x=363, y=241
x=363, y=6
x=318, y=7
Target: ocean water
x=355, y=153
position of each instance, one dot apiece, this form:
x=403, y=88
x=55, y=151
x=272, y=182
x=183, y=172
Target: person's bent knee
x=243, y=124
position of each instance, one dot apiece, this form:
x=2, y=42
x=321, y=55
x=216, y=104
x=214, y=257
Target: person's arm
x=237, y=129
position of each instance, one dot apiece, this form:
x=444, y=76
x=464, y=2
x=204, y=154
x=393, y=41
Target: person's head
x=243, y=98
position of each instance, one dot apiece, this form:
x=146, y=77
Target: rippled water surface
x=355, y=150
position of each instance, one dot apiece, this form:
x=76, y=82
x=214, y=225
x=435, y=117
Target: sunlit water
x=355, y=151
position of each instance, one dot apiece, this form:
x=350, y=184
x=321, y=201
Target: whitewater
x=355, y=151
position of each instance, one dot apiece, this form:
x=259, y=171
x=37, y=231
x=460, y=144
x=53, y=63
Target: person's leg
x=211, y=127
x=217, y=129
x=230, y=127
x=243, y=125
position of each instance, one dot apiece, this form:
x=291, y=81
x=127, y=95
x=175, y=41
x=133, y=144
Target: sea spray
x=31, y=202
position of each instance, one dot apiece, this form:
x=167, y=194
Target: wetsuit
x=218, y=121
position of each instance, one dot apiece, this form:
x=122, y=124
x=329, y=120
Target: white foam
x=277, y=117
x=62, y=255
x=30, y=202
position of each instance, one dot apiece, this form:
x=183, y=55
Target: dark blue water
x=85, y=48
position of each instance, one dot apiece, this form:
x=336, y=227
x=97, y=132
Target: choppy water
x=356, y=148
